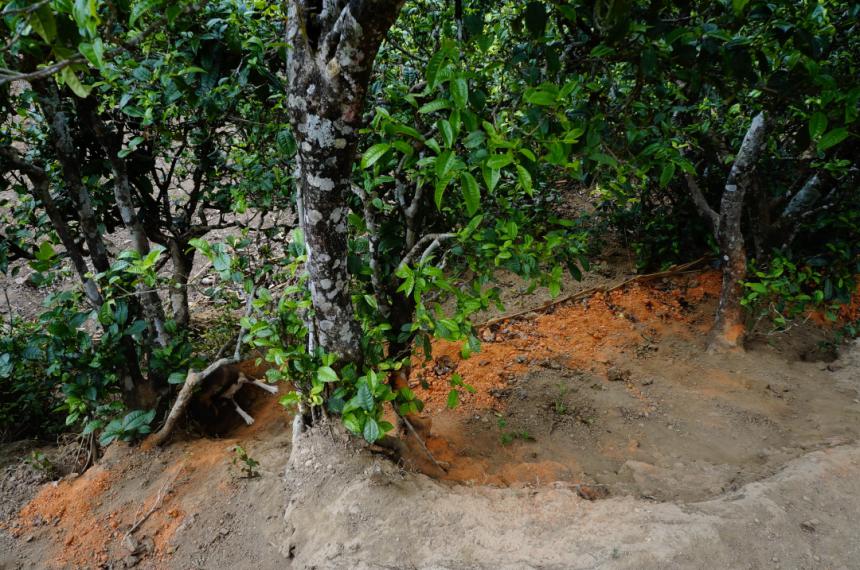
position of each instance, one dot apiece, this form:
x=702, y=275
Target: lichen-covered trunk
x=728, y=330
x=136, y=391
x=332, y=47
x=42, y=192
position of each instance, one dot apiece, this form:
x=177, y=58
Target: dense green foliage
x=480, y=127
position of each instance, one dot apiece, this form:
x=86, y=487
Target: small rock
x=130, y=543
x=520, y=359
x=592, y=493
x=647, y=381
x=131, y=561
x=444, y=365
x=28, y=538
x=488, y=336
x=811, y=525
x=146, y=544
x=616, y=374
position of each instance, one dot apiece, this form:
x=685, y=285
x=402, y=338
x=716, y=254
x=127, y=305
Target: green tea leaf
x=471, y=192
x=373, y=154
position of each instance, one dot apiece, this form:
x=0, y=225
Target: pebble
x=811, y=525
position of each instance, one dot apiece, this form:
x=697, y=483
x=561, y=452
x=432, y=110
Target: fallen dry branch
x=672, y=271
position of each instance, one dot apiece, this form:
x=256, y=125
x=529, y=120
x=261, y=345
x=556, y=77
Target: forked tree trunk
x=728, y=330
x=332, y=45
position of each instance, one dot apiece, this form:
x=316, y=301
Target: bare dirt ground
x=600, y=436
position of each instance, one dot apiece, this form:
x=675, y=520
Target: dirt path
x=805, y=516
x=745, y=460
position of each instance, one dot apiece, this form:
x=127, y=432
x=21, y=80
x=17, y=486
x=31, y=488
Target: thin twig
x=421, y=442
x=9, y=308
x=155, y=506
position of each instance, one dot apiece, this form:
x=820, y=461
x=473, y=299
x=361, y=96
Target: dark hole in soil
x=217, y=417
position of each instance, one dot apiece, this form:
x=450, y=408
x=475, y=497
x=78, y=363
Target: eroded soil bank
x=745, y=460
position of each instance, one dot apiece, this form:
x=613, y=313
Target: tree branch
x=804, y=199
x=702, y=203
x=435, y=241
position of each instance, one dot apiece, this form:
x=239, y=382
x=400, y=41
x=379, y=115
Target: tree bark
x=137, y=392
x=182, y=264
x=728, y=330
x=41, y=190
x=111, y=143
x=332, y=47
x=64, y=146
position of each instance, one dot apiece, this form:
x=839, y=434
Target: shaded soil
x=737, y=460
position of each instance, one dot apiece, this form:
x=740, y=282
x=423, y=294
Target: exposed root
x=423, y=445
x=245, y=415
x=680, y=269
x=192, y=380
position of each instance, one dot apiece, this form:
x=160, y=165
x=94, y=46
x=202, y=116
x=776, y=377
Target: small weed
x=245, y=462
x=508, y=437
x=40, y=462
x=559, y=406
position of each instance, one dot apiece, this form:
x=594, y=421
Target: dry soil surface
x=600, y=436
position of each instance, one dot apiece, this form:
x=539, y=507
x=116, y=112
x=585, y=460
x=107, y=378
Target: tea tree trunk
x=332, y=47
x=728, y=330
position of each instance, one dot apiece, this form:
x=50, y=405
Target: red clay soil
x=73, y=510
x=587, y=335
x=582, y=334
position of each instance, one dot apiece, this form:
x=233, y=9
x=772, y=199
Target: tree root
x=423, y=445
x=680, y=269
x=192, y=380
